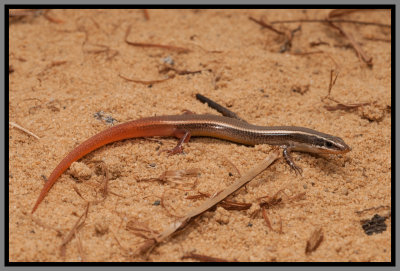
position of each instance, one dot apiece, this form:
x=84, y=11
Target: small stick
x=330, y=21
x=203, y=258
x=275, y=199
x=339, y=105
x=341, y=12
x=361, y=54
x=168, y=68
x=78, y=192
x=167, y=47
x=51, y=65
x=162, y=46
x=146, y=14
x=289, y=37
x=332, y=82
x=314, y=241
x=223, y=110
x=140, y=229
x=263, y=24
x=52, y=19
x=265, y=216
x=116, y=239
x=104, y=169
x=318, y=43
x=317, y=52
x=78, y=225
x=80, y=247
x=372, y=208
x=41, y=224
x=377, y=39
x=233, y=205
x=13, y=124
x=21, y=12
x=198, y=196
x=145, y=82
x=280, y=231
x=57, y=63
x=175, y=174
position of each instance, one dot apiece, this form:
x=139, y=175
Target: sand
x=67, y=84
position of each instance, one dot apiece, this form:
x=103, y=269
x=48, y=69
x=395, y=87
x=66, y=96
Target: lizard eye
x=328, y=144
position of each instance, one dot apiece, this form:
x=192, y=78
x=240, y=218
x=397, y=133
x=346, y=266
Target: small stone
x=374, y=225
x=300, y=88
x=80, y=171
x=222, y=216
x=168, y=60
x=101, y=227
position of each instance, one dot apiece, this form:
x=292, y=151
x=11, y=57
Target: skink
x=290, y=138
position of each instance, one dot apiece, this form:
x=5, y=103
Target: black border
x=392, y=7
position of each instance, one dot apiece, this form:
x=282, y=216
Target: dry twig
x=339, y=105
x=360, y=52
x=287, y=35
x=146, y=14
x=314, y=241
x=148, y=82
x=42, y=224
x=78, y=225
x=13, y=124
x=175, y=174
x=154, y=45
x=203, y=258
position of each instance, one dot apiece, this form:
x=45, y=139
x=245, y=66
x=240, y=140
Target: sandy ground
x=69, y=65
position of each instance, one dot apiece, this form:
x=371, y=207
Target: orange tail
x=133, y=129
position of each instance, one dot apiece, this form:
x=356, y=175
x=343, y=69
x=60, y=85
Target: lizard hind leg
x=184, y=137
